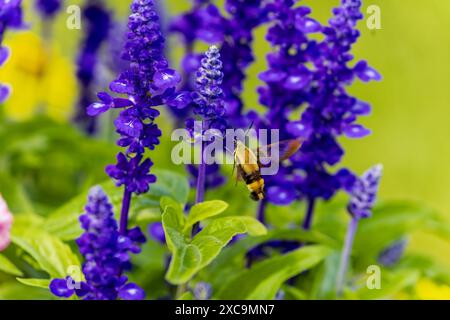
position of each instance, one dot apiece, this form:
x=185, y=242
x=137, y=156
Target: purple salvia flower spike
x=313, y=75
x=149, y=82
x=209, y=105
x=208, y=99
x=364, y=192
x=106, y=253
x=363, y=196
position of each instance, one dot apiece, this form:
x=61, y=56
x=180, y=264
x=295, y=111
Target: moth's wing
x=246, y=161
x=245, y=157
x=239, y=175
x=285, y=148
x=237, y=171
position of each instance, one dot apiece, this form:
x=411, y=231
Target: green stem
x=181, y=289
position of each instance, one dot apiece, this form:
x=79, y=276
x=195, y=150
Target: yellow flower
x=42, y=80
x=429, y=290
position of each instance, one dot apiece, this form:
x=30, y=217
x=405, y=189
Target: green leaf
x=186, y=296
x=205, y=210
x=14, y=195
x=186, y=261
x=232, y=258
x=325, y=277
x=394, y=220
x=438, y=227
x=38, y=283
x=264, y=279
x=185, y=257
x=391, y=284
x=14, y=290
x=293, y=293
x=227, y=227
x=170, y=202
x=147, y=216
x=169, y=184
x=52, y=255
x=189, y=257
x=173, y=221
x=216, y=235
x=8, y=267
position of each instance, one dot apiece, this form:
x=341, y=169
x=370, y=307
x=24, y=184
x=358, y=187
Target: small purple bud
x=97, y=108
x=361, y=108
x=156, y=231
x=121, y=103
x=4, y=55
x=131, y=291
x=272, y=76
x=105, y=97
x=365, y=72
x=180, y=100
x=298, y=129
x=129, y=126
x=165, y=79
x=202, y=291
x=356, y=131
x=59, y=288
x=120, y=87
x=307, y=25
x=281, y=196
x=5, y=92
x=296, y=81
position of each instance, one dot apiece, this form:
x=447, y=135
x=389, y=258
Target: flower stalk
x=209, y=106
x=345, y=256
x=126, y=202
x=363, y=197
x=310, y=205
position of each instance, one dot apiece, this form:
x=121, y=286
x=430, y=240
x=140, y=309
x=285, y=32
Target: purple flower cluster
x=208, y=97
x=98, y=24
x=10, y=18
x=364, y=193
x=147, y=83
x=48, y=8
x=106, y=253
x=310, y=74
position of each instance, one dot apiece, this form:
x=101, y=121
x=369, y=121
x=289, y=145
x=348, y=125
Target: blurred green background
x=410, y=117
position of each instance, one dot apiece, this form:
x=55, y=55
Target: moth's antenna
x=251, y=126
